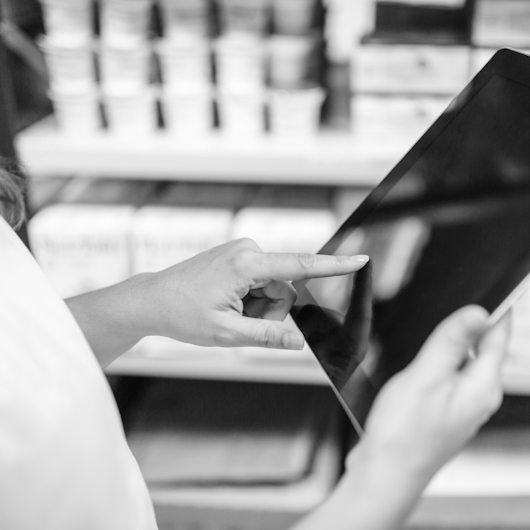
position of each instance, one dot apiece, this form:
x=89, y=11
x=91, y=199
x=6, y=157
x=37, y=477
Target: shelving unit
x=331, y=158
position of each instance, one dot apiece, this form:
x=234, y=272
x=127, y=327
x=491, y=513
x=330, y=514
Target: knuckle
x=245, y=242
x=306, y=260
x=243, y=260
x=265, y=336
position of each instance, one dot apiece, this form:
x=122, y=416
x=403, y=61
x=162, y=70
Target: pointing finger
x=292, y=267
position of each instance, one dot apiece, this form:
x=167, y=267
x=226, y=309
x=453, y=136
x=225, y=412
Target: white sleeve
x=64, y=460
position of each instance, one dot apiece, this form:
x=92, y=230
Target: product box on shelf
x=82, y=240
x=394, y=115
x=124, y=21
x=295, y=61
x=68, y=18
x=382, y=65
x=248, y=17
x=295, y=17
x=285, y=229
x=125, y=65
x=130, y=111
x=286, y=218
x=182, y=221
x=187, y=110
x=186, y=17
x=295, y=113
x=184, y=61
x=501, y=23
x=69, y=61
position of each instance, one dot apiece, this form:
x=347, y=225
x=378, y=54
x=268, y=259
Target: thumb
x=248, y=331
x=447, y=347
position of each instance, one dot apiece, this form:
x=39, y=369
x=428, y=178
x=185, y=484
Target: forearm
x=109, y=318
x=377, y=492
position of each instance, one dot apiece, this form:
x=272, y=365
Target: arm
x=231, y=295
x=421, y=418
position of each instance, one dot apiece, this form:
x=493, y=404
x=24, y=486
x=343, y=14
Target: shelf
x=331, y=158
x=164, y=358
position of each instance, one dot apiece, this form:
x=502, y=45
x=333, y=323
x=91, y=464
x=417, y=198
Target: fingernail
x=292, y=341
x=361, y=258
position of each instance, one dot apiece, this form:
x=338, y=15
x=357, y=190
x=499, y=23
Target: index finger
x=302, y=266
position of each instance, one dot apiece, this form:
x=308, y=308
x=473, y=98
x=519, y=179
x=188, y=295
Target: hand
x=232, y=295
x=425, y=414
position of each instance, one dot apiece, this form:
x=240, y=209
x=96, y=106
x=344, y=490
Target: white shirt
x=64, y=461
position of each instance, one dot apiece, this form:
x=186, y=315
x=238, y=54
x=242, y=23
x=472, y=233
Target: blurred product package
x=388, y=66
x=295, y=61
x=241, y=112
x=244, y=17
x=187, y=110
x=126, y=21
x=130, y=111
x=240, y=62
x=68, y=18
x=181, y=222
x=379, y=116
x=234, y=455
x=69, y=61
x=184, y=61
x=294, y=17
x=285, y=230
x=125, y=65
x=82, y=240
x=295, y=113
x=286, y=219
x=501, y=23
x=186, y=18
x=77, y=110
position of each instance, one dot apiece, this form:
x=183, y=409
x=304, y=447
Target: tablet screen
x=452, y=228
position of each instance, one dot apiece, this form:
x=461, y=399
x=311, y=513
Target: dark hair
x=12, y=189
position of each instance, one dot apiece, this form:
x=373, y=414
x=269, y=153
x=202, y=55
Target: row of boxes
x=125, y=71
x=100, y=231
x=401, y=89
x=284, y=62
x=188, y=112
x=132, y=20
x=405, y=72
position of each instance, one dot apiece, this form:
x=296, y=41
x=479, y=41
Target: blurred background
x=152, y=130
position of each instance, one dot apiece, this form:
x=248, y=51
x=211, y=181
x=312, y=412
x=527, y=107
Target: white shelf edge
x=330, y=158
x=230, y=366
x=300, y=372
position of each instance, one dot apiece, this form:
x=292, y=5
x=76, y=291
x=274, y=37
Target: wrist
x=141, y=315
x=387, y=461
x=385, y=485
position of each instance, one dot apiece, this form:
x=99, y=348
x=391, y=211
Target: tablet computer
x=449, y=226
